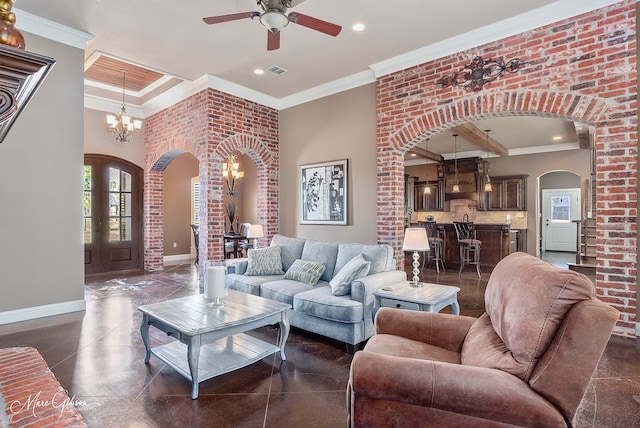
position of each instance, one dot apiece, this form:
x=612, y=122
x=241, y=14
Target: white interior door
x=559, y=208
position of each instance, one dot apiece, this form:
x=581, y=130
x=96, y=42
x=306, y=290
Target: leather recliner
x=526, y=361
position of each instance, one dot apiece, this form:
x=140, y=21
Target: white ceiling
x=170, y=37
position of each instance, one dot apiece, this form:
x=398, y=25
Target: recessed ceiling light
x=557, y=138
x=358, y=27
x=258, y=71
x=413, y=155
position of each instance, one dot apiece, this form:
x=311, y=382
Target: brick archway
x=209, y=125
x=581, y=68
x=211, y=209
x=574, y=107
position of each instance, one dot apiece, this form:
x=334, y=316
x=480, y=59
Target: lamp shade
x=255, y=231
x=274, y=21
x=415, y=239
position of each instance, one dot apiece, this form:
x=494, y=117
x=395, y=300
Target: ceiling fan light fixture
x=274, y=21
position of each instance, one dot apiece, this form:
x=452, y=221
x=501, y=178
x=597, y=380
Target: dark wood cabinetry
x=509, y=193
x=432, y=201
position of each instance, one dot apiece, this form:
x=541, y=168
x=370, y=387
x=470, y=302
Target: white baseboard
x=25, y=314
x=177, y=258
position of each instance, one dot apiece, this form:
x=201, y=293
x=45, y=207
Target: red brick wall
x=209, y=125
x=31, y=393
x=582, y=69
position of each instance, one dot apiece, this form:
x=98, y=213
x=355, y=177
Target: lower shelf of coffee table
x=217, y=358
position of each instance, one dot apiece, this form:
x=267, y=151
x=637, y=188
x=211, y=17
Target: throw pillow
x=355, y=268
x=305, y=271
x=264, y=261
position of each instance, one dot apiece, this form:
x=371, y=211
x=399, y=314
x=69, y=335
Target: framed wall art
x=323, y=193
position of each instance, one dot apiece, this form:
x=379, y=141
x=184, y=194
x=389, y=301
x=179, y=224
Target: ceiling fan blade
x=273, y=40
x=227, y=18
x=315, y=24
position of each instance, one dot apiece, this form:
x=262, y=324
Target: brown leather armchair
x=526, y=361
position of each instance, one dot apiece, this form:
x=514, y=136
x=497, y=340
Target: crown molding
x=544, y=149
x=545, y=15
x=231, y=88
x=34, y=24
x=321, y=91
x=549, y=14
x=106, y=105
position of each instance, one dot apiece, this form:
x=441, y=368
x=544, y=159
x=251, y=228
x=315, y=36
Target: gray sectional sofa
x=340, y=304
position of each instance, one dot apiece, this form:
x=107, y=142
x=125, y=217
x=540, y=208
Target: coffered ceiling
x=166, y=48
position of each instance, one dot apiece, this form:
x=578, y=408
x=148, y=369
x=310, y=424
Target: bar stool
x=436, y=243
x=468, y=244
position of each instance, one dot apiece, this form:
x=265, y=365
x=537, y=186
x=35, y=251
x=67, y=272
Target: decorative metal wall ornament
x=481, y=72
x=21, y=74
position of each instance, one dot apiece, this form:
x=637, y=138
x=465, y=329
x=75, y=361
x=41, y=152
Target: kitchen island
x=498, y=241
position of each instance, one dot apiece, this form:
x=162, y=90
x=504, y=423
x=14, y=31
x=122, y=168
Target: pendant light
x=487, y=183
x=456, y=185
x=427, y=189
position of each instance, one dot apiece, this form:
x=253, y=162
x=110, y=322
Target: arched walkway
x=211, y=189
x=590, y=110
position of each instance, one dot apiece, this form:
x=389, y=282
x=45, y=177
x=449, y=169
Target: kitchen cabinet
x=433, y=201
x=509, y=193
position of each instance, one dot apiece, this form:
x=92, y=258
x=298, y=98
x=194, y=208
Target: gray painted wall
x=41, y=248
x=331, y=128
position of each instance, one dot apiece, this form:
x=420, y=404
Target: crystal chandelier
x=231, y=174
x=121, y=124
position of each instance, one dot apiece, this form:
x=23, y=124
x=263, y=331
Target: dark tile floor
x=98, y=356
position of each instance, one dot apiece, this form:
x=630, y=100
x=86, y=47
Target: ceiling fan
x=274, y=19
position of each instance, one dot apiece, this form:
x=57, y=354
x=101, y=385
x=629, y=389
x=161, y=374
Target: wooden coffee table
x=211, y=341
x=428, y=298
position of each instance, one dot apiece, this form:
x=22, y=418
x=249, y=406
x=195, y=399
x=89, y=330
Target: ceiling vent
x=276, y=70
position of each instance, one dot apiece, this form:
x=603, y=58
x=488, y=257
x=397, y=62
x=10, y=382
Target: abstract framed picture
x=323, y=193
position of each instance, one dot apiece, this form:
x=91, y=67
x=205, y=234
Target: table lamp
x=415, y=239
x=255, y=231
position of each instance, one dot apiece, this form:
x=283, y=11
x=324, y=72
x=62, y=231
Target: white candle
x=215, y=285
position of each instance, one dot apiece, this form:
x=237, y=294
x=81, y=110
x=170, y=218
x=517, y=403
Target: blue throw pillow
x=355, y=268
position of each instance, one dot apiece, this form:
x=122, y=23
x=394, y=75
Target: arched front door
x=112, y=214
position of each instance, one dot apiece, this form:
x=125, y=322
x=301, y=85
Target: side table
x=428, y=298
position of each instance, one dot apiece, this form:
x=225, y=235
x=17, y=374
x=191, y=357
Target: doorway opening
x=112, y=215
x=558, y=209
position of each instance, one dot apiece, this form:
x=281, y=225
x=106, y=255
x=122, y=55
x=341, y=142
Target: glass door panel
x=120, y=208
x=112, y=214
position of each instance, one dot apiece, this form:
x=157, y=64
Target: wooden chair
x=468, y=244
x=245, y=244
